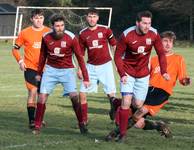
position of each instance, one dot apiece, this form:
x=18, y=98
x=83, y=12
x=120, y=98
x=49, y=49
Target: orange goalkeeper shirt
x=31, y=39
x=176, y=68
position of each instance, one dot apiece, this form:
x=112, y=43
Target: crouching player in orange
x=159, y=90
x=30, y=38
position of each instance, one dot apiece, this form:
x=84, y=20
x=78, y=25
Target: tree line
x=175, y=15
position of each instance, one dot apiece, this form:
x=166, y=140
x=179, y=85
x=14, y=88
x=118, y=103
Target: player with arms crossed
x=30, y=38
x=132, y=59
x=95, y=39
x=159, y=91
x=57, y=49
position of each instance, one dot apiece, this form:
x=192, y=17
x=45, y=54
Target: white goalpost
x=75, y=17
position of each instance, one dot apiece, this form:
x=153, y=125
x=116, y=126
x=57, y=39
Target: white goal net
x=75, y=17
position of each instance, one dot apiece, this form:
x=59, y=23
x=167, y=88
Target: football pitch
x=62, y=131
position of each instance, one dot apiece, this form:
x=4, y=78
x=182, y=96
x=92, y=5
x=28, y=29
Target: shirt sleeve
x=43, y=57
x=20, y=39
x=161, y=55
x=182, y=73
x=120, y=50
x=110, y=37
x=82, y=45
x=18, y=43
x=80, y=59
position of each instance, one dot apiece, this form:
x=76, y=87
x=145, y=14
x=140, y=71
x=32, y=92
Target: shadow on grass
x=184, y=93
x=181, y=98
x=91, y=110
x=174, y=120
x=179, y=107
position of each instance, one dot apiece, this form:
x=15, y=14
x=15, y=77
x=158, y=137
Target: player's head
x=168, y=38
x=143, y=21
x=58, y=25
x=37, y=18
x=92, y=17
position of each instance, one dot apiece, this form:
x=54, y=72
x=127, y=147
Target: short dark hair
x=35, y=12
x=92, y=10
x=56, y=18
x=143, y=14
x=168, y=34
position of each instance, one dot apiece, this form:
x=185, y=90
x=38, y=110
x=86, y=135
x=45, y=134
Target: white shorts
x=100, y=74
x=53, y=76
x=136, y=86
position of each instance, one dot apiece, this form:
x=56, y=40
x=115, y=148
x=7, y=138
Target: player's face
x=144, y=25
x=59, y=28
x=37, y=21
x=92, y=19
x=167, y=44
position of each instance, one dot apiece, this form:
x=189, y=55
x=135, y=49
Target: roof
x=7, y=9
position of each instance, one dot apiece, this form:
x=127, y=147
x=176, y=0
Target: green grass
x=62, y=131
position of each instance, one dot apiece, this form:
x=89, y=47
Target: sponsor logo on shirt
x=95, y=44
x=157, y=69
x=57, y=51
x=140, y=50
x=100, y=35
x=36, y=45
x=148, y=41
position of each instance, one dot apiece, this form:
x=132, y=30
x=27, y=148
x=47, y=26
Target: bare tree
x=177, y=7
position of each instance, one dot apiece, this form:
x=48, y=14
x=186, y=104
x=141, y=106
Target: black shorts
x=156, y=96
x=29, y=76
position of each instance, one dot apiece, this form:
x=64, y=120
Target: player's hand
x=79, y=74
x=22, y=65
x=38, y=78
x=124, y=79
x=186, y=81
x=86, y=84
x=166, y=76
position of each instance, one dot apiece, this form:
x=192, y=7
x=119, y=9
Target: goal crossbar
x=61, y=8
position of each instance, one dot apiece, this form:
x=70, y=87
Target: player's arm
x=111, y=38
x=182, y=73
x=80, y=59
x=42, y=58
x=120, y=50
x=82, y=49
x=16, y=52
x=161, y=57
x=82, y=45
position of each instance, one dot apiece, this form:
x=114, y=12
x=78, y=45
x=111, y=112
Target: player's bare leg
x=136, y=116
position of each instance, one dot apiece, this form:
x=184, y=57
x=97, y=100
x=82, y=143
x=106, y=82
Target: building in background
x=7, y=17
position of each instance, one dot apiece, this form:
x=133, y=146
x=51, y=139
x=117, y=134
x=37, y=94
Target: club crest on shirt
x=63, y=43
x=148, y=41
x=100, y=35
